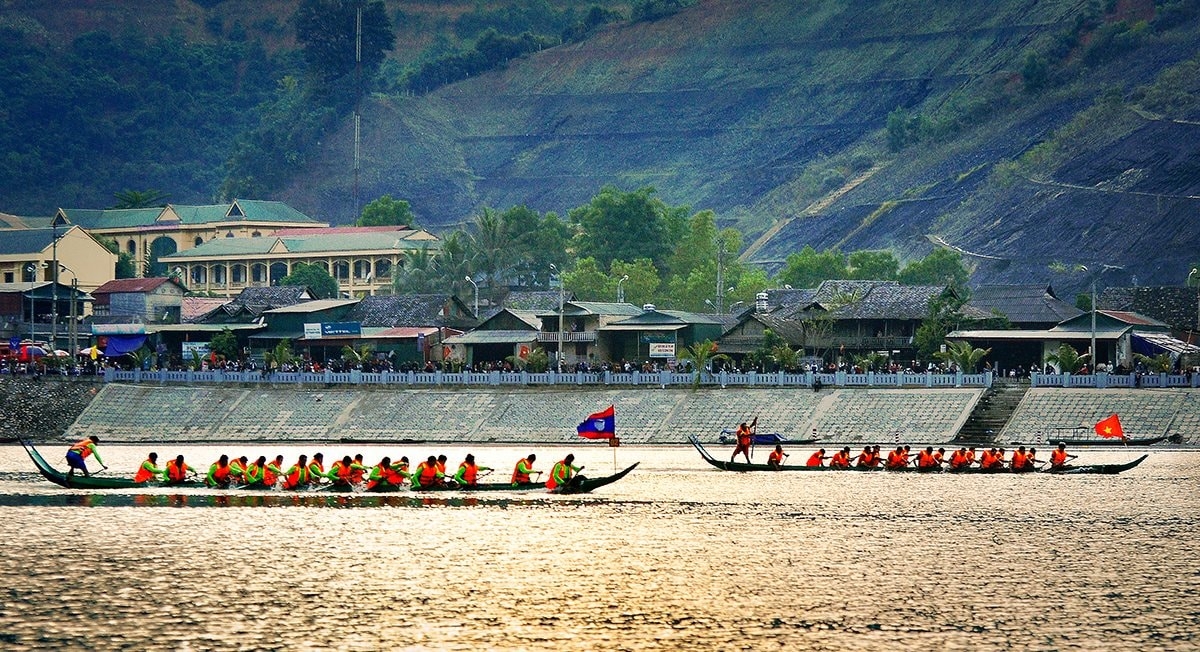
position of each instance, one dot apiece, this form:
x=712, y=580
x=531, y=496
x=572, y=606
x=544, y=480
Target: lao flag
x=601, y=425
x=1110, y=427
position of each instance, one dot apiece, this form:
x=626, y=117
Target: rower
x=840, y=459
x=1017, y=463
x=272, y=471
x=870, y=458
x=237, y=468
x=383, y=475
x=775, y=459
x=1031, y=459
x=523, y=470
x=958, y=459
x=441, y=464
x=745, y=436
x=401, y=467
x=563, y=474
x=940, y=456
x=816, y=459
x=297, y=474
x=426, y=474
x=1059, y=457
x=254, y=472
x=926, y=460
x=970, y=456
x=358, y=470
x=316, y=468
x=468, y=472
x=149, y=470
x=339, y=472
x=79, y=452
x=177, y=470
x=218, y=473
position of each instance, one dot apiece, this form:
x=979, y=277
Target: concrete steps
x=993, y=412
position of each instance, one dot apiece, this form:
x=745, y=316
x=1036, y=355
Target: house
x=152, y=299
x=1178, y=307
x=361, y=259
x=508, y=332
x=25, y=312
x=27, y=255
x=655, y=333
x=575, y=330
x=1029, y=307
x=249, y=305
x=158, y=232
x=412, y=326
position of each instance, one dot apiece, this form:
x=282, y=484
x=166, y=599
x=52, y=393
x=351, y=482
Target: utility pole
x=357, y=103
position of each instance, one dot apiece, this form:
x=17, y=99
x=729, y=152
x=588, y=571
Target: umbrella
x=34, y=351
x=59, y=353
x=90, y=350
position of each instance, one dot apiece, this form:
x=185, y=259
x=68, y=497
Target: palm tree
x=785, y=357
x=489, y=247
x=140, y=198
x=1160, y=363
x=359, y=355
x=1067, y=359
x=281, y=355
x=963, y=355
x=703, y=355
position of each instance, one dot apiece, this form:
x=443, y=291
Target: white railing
x=1105, y=380
x=636, y=378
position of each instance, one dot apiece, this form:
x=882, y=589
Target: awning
x=642, y=327
x=493, y=337
x=1157, y=343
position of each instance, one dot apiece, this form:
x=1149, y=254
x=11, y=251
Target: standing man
x=563, y=472
x=79, y=452
x=745, y=436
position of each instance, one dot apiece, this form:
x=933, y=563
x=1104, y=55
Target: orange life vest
x=426, y=474
x=176, y=473
x=299, y=475
x=469, y=472
x=341, y=470
x=1058, y=458
x=83, y=447
x=144, y=474
x=814, y=459
x=958, y=460
x=222, y=473
x=1018, y=461
x=775, y=458
x=518, y=476
x=925, y=460
x=270, y=475
x=356, y=475
x=840, y=460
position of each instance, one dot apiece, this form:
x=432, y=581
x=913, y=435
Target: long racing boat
x=92, y=481
x=1083, y=469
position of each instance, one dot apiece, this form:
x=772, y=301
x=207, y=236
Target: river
x=677, y=556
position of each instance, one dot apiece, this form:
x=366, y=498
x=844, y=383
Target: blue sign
x=340, y=328
x=14, y=343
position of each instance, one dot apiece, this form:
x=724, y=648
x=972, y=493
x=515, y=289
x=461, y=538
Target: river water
x=677, y=556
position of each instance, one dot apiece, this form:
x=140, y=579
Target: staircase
x=992, y=411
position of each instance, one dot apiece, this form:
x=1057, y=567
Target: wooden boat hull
x=1075, y=443
x=1083, y=469
x=91, y=481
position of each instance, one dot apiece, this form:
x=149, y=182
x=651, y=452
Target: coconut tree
x=1067, y=359
x=702, y=355
x=280, y=355
x=357, y=356
x=963, y=355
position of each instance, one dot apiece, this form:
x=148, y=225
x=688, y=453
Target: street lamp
x=1095, y=275
x=554, y=269
x=57, y=222
x=73, y=330
x=735, y=304
x=31, y=269
x=1196, y=272
x=474, y=285
x=621, y=290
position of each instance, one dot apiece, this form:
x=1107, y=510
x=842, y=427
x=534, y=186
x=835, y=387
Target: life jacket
x=775, y=458
x=985, y=459
x=970, y=457
x=925, y=460
x=316, y=468
x=958, y=460
x=254, y=473
x=470, y=472
x=1058, y=458
x=176, y=473
x=1018, y=461
x=814, y=459
x=840, y=460
x=341, y=471
x=221, y=474
x=356, y=474
x=297, y=476
x=427, y=474
x=236, y=468
x=743, y=436
x=270, y=474
x=561, y=468
x=144, y=474
x=519, y=477
x=84, y=447
x=441, y=467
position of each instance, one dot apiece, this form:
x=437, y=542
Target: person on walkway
x=468, y=472
x=745, y=436
x=79, y=452
x=177, y=470
x=775, y=459
x=149, y=470
x=218, y=473
x=523, y=470
x=817, y=458
x=563, y=473
x=1059, y=457
x=298, y=475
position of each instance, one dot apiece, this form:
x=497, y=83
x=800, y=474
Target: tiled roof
x=250, y=210
x=1131, y=318
x=131, y=285
x=25, y=241
x=253, y=301
x=23, y=222
x=535, y=300
x=305, y=307
x=311, y=241
x=195, y=308
x=788, y=298
x=90, y=218
x=412, y=310
x=790, y=330
x=258, y=210
x=1023, y=304
x=199, y=214
x=1172, y=305
x=579, y=308
x=330, y=230
x=881, y=301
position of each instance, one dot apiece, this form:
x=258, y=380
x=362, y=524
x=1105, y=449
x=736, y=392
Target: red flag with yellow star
x=1110, y=428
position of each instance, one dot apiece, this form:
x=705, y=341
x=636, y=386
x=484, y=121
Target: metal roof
x=493, y=337
x=312, y=306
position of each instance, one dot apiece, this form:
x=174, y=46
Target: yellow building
x=361, y=259
x=165, y=231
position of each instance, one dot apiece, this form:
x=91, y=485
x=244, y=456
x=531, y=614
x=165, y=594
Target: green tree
x=326, y=32
x=963, y=355
x=589, y=282
x=225, y=345
x=874, y=265
x=126, y=266
x=418, y=274
x=316, y=279
x=702, y=356
x=281, y=355
x=453, y=264
x=140, y=199
x=1035, y=72
x=617, y=225
x=808, y=268
x=359, y=355
x=642, y=284
x=490, y=249
x=944, y=316
x=1160, y=363
x=386, y=211
x=1067, y=359
x=548, y=245
x=940, y=267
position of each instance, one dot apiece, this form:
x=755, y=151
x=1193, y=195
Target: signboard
x=332, y=329
x=199, y=348
x=312, y=331
x=662, y=349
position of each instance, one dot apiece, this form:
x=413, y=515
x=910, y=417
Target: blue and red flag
x=601, y=425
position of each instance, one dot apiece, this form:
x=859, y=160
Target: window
x=383, y=269
x=256, y=234
x=238, y=272
x=131, y=248
x=198, y=241
x=8, y=277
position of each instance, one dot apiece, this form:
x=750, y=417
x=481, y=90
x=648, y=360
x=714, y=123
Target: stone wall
x=41, y=408
x=1143, y=413
x=542, y=415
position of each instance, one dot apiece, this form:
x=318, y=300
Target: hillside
x=758, y=112
x=1024, y=131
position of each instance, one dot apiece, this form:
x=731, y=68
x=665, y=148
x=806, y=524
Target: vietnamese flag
x=601, y=425
x=1110, y=428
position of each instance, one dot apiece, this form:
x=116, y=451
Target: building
x=154, y=300
x=576, y=330
x=27, y=256
x=508, y=332
x=1027, y=307
x=1178, y=307
x=159, y=232
x=361, y=259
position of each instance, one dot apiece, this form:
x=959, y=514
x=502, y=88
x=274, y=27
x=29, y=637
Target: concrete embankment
x=42, y=408
x=138, y=413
